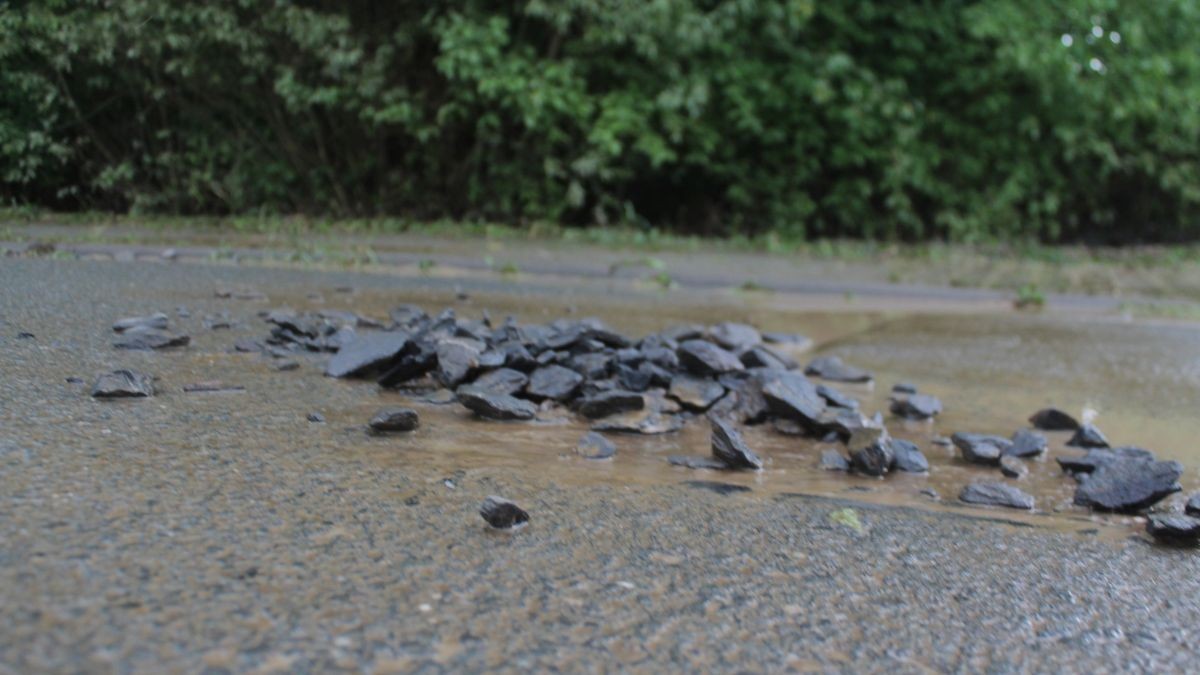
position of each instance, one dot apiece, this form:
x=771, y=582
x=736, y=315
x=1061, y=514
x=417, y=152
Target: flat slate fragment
x=705, y=358
x=981, y=448
x=157, y=321
x=123, y=383
x=1053, y=419
x=908, y=457
x=1012, y=467
x=832, y=460
x=996, y=494
x=553, y=382
x=834, y=369
x=717, y=486
x=147, y=339
x=729, y=447
x=1128, y=486
x=503, y=514
x=695, y=393
x=1088, y=436
x=394, y=419
x=1174, y=529
x=493, y=406
x=916, y=406
x=1026, y=443
x=366, y=352
x=611, y=402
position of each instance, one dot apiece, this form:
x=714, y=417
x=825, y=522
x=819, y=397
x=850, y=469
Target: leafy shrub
x=1014, y=119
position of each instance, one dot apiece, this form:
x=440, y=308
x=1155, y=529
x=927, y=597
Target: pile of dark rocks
x=729, y=374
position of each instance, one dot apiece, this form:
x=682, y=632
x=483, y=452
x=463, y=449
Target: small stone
x=874, y=458
x=1026, y=443
x=996, y=494
x=592, y=366
x=916, y=406
x=595, y=446
x=717, y=486
x=456, y=358
x=503, y=514
x=1192, y=508
x=74, y=380
x=123, y=383
x=394, y=419
x=287, y=364
x=794, y=341
x=832, y=460
x=735, y=336
x=1088, y=436
x=908, y=457
x=146, y=339
x=693, y=462
x=553, y=382
x=1128, y=486
x=1053, y=419
x=904, y=388
x=931, y=493
x=789, y=427
x=705, y=358
x=502, y=381
x=833, y=368
x=1012, y=467
x=729, y=447
x=695, y=393
x=791, y=395
x=611, y=402
x=247, y=346
x=367, y=352
x=981, y=448
x=835, y=397
x=316, y=418
x=762, y=356
x=495, y=406
x=1174, y=529
x=25, y=335
x=1097, y=457
x=156, y=321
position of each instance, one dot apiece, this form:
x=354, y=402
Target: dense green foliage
x=1066, y=120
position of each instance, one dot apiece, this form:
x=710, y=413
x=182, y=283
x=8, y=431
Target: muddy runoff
x=991, y=372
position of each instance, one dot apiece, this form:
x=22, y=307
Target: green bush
x=1009, y=119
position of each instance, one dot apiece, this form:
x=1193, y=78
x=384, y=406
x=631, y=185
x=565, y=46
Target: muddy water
x=991, y=371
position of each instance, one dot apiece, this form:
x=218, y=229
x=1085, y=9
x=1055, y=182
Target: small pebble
x=503, y=514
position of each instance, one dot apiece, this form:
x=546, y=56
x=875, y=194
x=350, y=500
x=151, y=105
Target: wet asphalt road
x=224, y=532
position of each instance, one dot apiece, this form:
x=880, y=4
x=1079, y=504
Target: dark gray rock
x=792, y=340
x=904, y=388
x=146, y=339
x=502, y=381
x=365, y=353
x=695, y=393
x=874, y=458
x=835, y=397
x=553, y=382
x=1174, y=529
x=793, y=396
x=705, y=358
x=908, y=457
x=1026, y=443
x=789, y=427
x=729, y=447
x=717, y=486
x=315, y=418
x=1080, y=466
x=123, y=383
x=457, y=358
x=692, y=462
x=832, y=460
x=735, y=336
x=419, y=361
x=156, y=321
x=1088, y=436
x=1128, y=486
x=595, y=446
x=1053, y=419
x=916, y=406
x=834, y=369
x=1192, y=508
x=646, y=422
x=394, y=419
x=682, y=332
x=593, y=366
x=981, y=448
x=761, y=356
x=494, y=406
x=611, y=402
x=286, y=365
x=996, y=494
x=1012, y=467
x=503, y=514
x=635, y=378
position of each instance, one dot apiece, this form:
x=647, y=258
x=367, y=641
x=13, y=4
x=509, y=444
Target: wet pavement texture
x=224, y=531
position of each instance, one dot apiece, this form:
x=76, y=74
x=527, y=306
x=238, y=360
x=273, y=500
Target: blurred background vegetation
x=959, y=120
